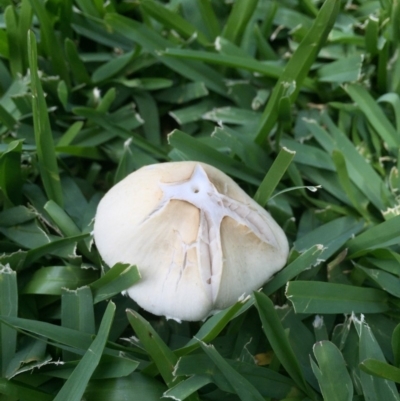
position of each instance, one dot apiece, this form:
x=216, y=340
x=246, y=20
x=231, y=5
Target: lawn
x=296, y=100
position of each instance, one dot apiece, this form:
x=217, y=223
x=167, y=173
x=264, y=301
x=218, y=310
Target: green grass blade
x=112, y=68
x=344, y=228
x=374, y=115
x=10, y=173
x=118, y=130
x=267, y=382
x=388, y=282
x=118, y=279
x=344, y=70
x=330, y=371
x=211, y=328
x=321, y=297
x=77, y=313
x=187, y=387
x=56, y=333
x=51, y=280
x=276, y=336
x=89, y=7
x=380, y=369
x=358, y=201
x=125, y=388
x=380, y=235
x=394, y=100
x=376, y=388
x=274, y=175
x=395, y=343
x=15, y=390
x=172, y=20
x=15, y=56
x=40, y=251
x=154, y=43
x=159, y=352
x=25, y=17
x=77, y=310
x=358, y=167
x=110, y=367
x=233, y=61
x=209, y=17
x=67, y=226
x=16, y=215
x=148, y=111
x=43, y=135
x=78, y=68
x=62, y=337
x=299, y=64
x=307, y=259
x=70, y=134
x=6, y=118
x=31, y=352
x=50, y=41
x=8, y=307
x=240, y=15
x=242, y=387
x=75, y=386
x=62, y=220
x=180, y=94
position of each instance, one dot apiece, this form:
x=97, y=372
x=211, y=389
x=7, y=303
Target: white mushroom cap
x=199, y=241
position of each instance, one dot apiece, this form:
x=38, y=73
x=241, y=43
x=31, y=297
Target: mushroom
x=199, y=241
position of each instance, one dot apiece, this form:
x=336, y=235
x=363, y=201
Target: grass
x=298, y=101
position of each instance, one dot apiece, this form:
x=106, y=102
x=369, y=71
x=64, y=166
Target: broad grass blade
x=125, y=388
x=110, y=367
x=376, y=388
x=388, y=282
x=172, y=20
x=14, y=390
x=374, y=115
x=276, y=336
x=52, y=280
x=118, y=279
x=299, y=65
x=75, y=386
x=308, y=258
x=344, y=229
x=395, y=342
x=153, y=43
x=8, y=307
x=380, y=369
x=40, y=251
x=242, y=387
x=266, y=381
x=330, y=371
x=43, y=134
x=50, y=41
x=159, y=352
x=238, y=18
x=378, y=236
x=187, y=387
x=11, y=179
x=321, y=297
x=211, y=328
x=62, y=335
x=267, y=69
x=77, y=313
x=274, y=175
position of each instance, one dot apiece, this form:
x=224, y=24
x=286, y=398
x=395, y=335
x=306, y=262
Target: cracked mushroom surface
x=199, y=241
